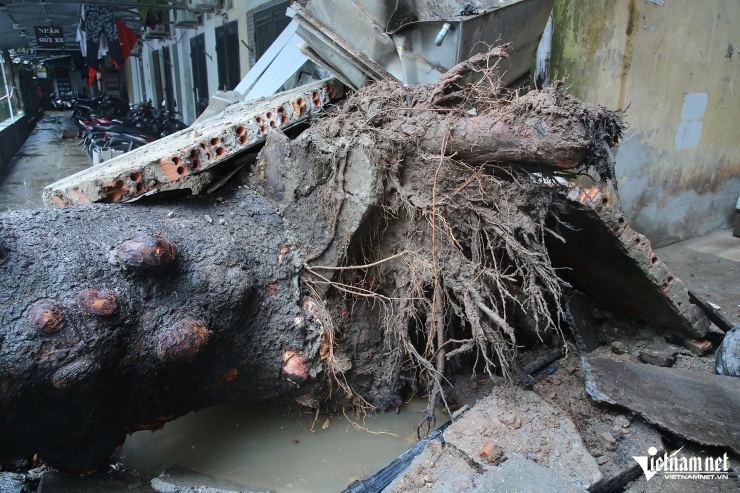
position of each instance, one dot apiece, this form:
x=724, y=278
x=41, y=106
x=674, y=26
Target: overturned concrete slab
x=174, y=160
x=523, y=424
x=696, y=406
x=605, y=258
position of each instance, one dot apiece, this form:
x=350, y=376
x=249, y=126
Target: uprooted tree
x=398, y=235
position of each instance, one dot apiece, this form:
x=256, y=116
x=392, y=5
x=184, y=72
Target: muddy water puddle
x=261, y=447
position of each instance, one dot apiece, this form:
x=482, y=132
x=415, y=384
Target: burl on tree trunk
x=359, y=257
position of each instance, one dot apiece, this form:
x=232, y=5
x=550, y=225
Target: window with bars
x=227, y=50
x=268, y=24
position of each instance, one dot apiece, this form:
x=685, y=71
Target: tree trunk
x=317, y=274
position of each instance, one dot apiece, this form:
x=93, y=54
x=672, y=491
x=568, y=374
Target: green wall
x=673, y=69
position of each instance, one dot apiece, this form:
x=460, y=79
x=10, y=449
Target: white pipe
x=442, y=33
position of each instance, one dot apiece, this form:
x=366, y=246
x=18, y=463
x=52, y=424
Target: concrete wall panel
x=673, y=68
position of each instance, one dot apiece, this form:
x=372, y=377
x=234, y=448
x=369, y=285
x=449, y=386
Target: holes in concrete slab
x=136, y=176
x=240, y=130
x=120, y=183
x=263, y=129
x=115, y=195
x=176, y=161
x=193, y=153
x=620, y=220
x=300, y=102
x=317, y=102
x=332, y=91
x=273, y=124
x=269, y=115
x=258, y=120
x=284, y=119
x=654, y=260
x=140, y=187
x=605, y=200
x=195, y=164
x=180, y=170
x=215, y=141
x=220, y=151
x=203, y=146
x=243, y=139
x=281, y=110
x=669, y=280
x=315, y=95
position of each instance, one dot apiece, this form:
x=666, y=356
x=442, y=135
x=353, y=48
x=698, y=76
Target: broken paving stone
x=659, y=354
x=119, y=482
x=544, y=429
x=181, y=480
x=449, y=470
x=519, y=475
x=696, y=406
x=617, y=466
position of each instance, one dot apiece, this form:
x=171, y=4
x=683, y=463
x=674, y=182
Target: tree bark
x=116, y=318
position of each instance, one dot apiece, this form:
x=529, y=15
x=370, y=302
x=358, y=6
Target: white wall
x=179, y=45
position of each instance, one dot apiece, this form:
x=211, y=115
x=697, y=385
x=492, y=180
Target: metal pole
x=5, y=81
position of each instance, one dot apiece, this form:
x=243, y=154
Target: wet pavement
x=45, y=158
x=710, y=266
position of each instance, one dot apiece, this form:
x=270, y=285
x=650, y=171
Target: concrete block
x=700, y=407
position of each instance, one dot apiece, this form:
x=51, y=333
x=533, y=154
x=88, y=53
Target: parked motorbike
x=104, y=128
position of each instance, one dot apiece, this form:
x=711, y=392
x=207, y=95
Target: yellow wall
x=674, y=68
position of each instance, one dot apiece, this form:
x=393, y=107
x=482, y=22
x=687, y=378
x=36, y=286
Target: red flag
x=127, y=39
x=92, y=75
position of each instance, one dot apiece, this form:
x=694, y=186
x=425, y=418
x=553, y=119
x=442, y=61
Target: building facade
x=189, y=57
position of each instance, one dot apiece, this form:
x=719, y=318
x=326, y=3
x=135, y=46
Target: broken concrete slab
x=519, y=475
x=525, y=425
x=659, y=354
x=696, y=406
x=178, y=479
x=610, y=436
x=438, y=469
x=442, y=468
x=173, y=161
x=118, y=482
x=610, y=262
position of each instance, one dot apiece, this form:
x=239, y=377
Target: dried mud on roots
x=454, y=254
